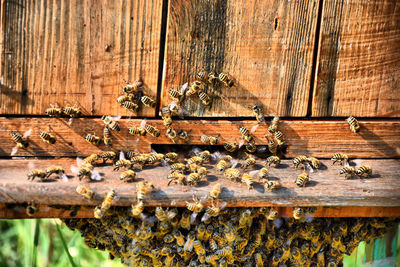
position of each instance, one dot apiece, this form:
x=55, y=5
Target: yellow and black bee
x=72, y=111
x=226, y=79
x=130, y=106
x=314, y=162
x=364, y=171
x=300, y=161
x=302, y=179
x=195, y=88
x=246, y=134
x=215, y=191
x=298, y=213
x=258, y=113
x=36, y=173
x=348, y=172
x=31, y=209
x=127, y=176
x=153, y=131
x=248, y=180
x=47, y=137
x=109, y=155
x=110, y=123
x=230, y=147
x=272, y=147
x=183, y=135
x=54, y=111
x=135, y=130
x=123, y=163
x=272, y=161
x=250, y=147
x=340, y=157
x=19, y=140
x=54, y=170
x=175, y=95
x=274, y=125
x=232, y=174
x=85, y=191
x=166, y=116
x=205, y=98
x=279, y=137
x=272, y=185
x=132, y=88
x=85, y=171
x=207, y=77
x=263, y=174
x=209, y=140
x=354, y=125
x=171, y=134
x=143, y=188
x=107, y=138
x=223, y=163
x=147, y=101
x=249, y=162
x=127, y=97
x=93, y=139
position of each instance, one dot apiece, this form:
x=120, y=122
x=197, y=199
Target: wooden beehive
x=314, y=63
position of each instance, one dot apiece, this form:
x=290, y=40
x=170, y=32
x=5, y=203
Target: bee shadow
x=259, y=187
x=212, y=178
x=273, y=178
x=138, y=179
x=203, y=183
x=322, y=167
x=49, y=180
x=312, y=183
x=70, y=176
x=351, y=163
x=282, y=166
x=226, y=193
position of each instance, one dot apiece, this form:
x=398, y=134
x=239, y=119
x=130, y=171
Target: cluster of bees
x=235, y=237
x=133, y=96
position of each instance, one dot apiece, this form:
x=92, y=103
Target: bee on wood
x=207, y=77
x=205, y=155
x=274, y=125
x=109, y=155
x=54, y=170
x=92, y=159
x=127, y=97
x=107, y=138
x=364, y=171
x=178, y=167
x=105, y=205
x=195, y=206
x=47, y=137
x=171, y=157
x=166, y=116
x=224, y=163
x=183, y=135
x=155, y=158
x=193, y=179
x=272, y=185
x=131, y=106
x=215, y=191
x=230, y=147
x=341, y=158
x=147, y=101
x=298, y=214
x=246, y=135
x=127, y=176
x=31, y=209
x=177, y=177
x=205, y=98
x=85, y=171
x=209, y=140
x=36, y=173
x=302, y=179
x=300, y=160
x=248, y=180
x=175, y=95
x=172, y=135
x=272, y=147
x=272, y=161
x=132, y=88
x=142, y=189
x=279, y=137
x=348, y=172
x=314, y=162
x=54, y=111
x=258, y=113
x=250, y=147
x=354, y=125
x=72, y=111
x=195, y=88
x=123, y=163
x=110, y=123
x=263, y=174
x=93, y=139
x=85, y=191
x=226, y=79
x=249, y=162
x=141, y=131
x=195, y=160
x=232, y=174
x=136, y=210
x=153, y=131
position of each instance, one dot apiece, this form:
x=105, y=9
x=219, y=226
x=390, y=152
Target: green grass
x=18, y=238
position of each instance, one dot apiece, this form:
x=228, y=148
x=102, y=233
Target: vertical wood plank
x=267, y=46
x=77, y=52
x=358, y=71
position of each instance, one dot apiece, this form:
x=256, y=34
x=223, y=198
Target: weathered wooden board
x=77, y=52
x=266, y=46
x=325, y=189
x=376, y=139
x=358, y=69
x=18, y=211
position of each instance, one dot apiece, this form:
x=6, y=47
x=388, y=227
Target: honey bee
x=249, y=162
x=175, y=95
x=209, y=140
x=205, y=98
x=105, y=205
x=136, y=210
x=109, y=155
x=19, y=140
x=272, y=214
x=92, y=159
x=127, y=176
x=183, y=135
x=251, y=148
x=272, y=147
x=85, y=171
x=189, y=242
x=54, y=111
x=258, y=259
x=300, y=160
x=348, y=172
x=31, y=209
x=132, y=88
x=172, y=135
x=205, y=155
x=258, y=113
x=341, y=158
x=298, y=213
x=147, y=101
x=195, y=206
x=194, y=88
x=202, y=171
x=246, y=135
x=155, y=158
x=364, y=171
x=207, y=77
x=143, y=188
x=178, y=166
x=85, y=191
x=127, y=97
x=226, y=79
x=263, y=174
x=185, y=220
x=137, y=131
x=230, y=147
x=36, y=173
x=302, y=179
x=215, y=191
x=153, y=131
x=223, y=163
x=72, y=111
x=131, y=106
x=123, y=163
x=314, y=162
x=110, y=123
x=279, y=137
x=177, y=177
x=166, y=116
x=193, y=179
x=272, y=185
x=195, y=160
x=54, y=170
x=354, y=125
x=232, y=174
x=198, y=248
x=107, y=136
x=274, y=125
x=248, y=180
x=171, y=157
x=93, y=139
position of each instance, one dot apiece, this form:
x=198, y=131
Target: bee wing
x=278, y=222
x=14, y=150
x=74, y=169
x=188, y=245
x=358, y=162
x=254, y=128
x=196, y=150
x=79, y=161
x=171, y=214
x=241, y=143
x=70, y=121
x=121, y=155
x=143, y=123
x=308, y=168
x=184, y=88
x=254, y=173
x=116, y=118
x=309, y=218
x=234, y=163
x=193, y=217
x=205, y=217
x=64, y=177
x=164, y=163
x=216, y=155
x=222, y=205
x=27, y=133
x=95, y=175
x=346, y=163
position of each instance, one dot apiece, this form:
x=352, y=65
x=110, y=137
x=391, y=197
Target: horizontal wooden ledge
x=318, y=138
x=326, y=188
x=45, y=211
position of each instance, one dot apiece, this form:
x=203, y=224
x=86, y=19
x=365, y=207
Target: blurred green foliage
x=18, y=250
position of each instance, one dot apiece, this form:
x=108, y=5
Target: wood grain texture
x=17, y=211
x=77, y=52
x=358, y=70
x=376, y=139
x=325, y=189
x=266, y=46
